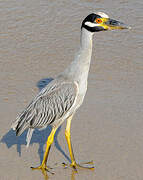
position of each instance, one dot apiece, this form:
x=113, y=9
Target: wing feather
x=51, y=104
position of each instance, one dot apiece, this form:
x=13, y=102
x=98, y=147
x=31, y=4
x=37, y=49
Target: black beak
x=113, y=24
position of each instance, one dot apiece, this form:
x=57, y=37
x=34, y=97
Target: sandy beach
x=38, y=39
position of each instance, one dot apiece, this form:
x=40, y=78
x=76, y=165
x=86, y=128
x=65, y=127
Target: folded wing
x=51, y=104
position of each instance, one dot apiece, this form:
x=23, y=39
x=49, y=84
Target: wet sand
x=38, y=39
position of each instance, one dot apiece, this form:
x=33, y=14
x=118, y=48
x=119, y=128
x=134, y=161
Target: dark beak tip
x=124, y=26
x=129, y=27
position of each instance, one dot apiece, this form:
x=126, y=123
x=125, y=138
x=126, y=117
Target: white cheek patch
x=90, y=24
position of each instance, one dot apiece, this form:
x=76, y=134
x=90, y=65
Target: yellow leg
x=68, y=138
x=50, y=140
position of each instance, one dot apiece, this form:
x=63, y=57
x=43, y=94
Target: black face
x=92, y=18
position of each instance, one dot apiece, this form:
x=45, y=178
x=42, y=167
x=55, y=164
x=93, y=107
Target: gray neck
x=79, y=68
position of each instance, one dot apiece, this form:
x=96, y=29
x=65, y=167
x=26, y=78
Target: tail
x=29, y=136
x=20, y=124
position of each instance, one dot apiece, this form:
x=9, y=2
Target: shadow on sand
x=39, y=137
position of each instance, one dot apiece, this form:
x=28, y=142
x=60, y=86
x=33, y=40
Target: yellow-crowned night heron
x=60, y=99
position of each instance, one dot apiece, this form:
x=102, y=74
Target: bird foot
x=85, y=165
x=44, y=170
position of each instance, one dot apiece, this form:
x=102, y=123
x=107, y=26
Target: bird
x=61, y=98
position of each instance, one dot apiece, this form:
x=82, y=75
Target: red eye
x=98, y=20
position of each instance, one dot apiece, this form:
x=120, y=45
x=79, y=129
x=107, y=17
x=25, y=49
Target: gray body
x=62, y=96
x=65, y=94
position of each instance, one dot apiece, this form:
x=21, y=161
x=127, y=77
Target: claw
x=86, y=166
x=90, y=162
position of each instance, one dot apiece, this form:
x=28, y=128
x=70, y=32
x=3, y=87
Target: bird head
x=101, y=22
